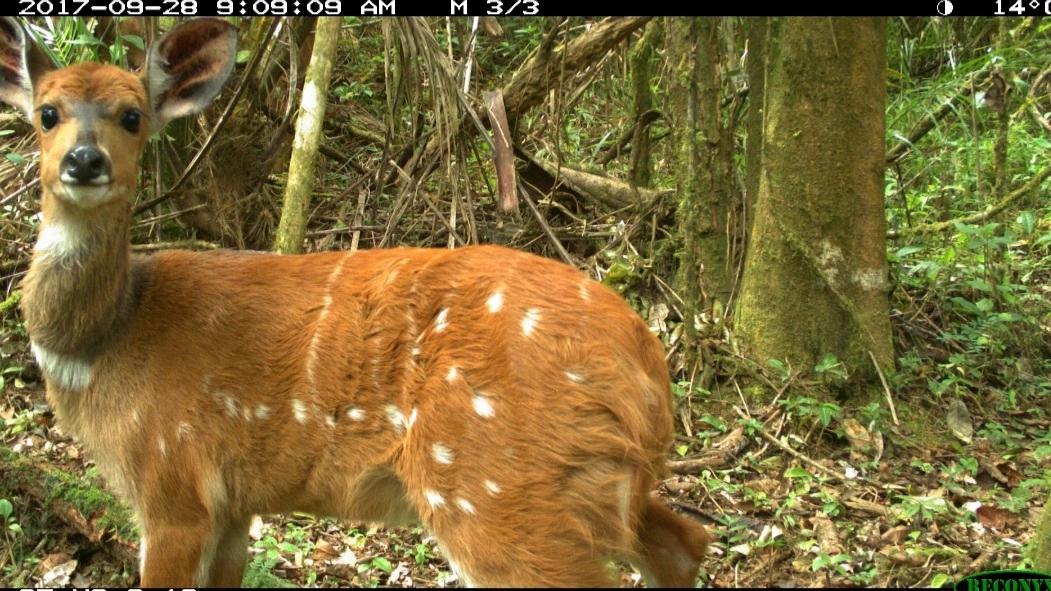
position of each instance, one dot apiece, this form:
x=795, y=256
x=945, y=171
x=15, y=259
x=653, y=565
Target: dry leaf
x=59, y=575
x=657, y=315
x=52, y=560
x=995, y=517
x=323, y=550
x=1014, y=477
x=896, y=535
x=857, y=435
x=347, y=557
x=959, y=421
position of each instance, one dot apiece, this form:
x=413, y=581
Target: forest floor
x=864, y=509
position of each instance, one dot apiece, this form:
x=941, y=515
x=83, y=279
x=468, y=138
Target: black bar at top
x=592, y=8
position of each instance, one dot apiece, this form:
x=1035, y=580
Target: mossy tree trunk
x=703, y=164
x=755, y=33
x=1041, y=543
x=291, y=231
x=815, y=279
x=641, y=76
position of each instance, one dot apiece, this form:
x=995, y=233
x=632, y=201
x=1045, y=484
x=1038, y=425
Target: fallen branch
x=1031, y=185
x=78, y=502
x=827, y=471
x=721, y=455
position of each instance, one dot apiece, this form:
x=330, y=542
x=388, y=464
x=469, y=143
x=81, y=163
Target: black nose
x=84, y=165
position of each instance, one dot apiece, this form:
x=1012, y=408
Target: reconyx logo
x=1005, y=580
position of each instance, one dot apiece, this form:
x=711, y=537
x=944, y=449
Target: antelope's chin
x=88, y=196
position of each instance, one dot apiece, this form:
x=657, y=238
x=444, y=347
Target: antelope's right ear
x=21, y=64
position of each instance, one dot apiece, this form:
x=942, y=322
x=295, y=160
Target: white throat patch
x=64, y=371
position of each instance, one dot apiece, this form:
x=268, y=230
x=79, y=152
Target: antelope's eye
x=130, y=120
x=48, y=117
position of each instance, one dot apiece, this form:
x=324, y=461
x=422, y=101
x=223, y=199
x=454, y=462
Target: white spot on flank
x=163, y=447
x=135, y=418
x=584, y=295
x=262, y=412
x=442, y=454
x=184, y=430
x=483, y=407
x=495, y=302
x=396, y=417
x=575, y=377
x=299, y=410
x=465, y=505
x=330, y=421
x=441, y=321
x=415, y=351
x=530, y=321
x=492, y=486
x=434, y=499
x=231, y=405
x=412, y=417
x=452, y=375
x=61, y=370
x=356, y=414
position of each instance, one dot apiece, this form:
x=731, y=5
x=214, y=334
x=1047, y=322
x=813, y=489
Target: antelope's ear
x=22, y=64
x=188, y=66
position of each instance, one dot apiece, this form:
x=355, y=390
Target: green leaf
x=681, y=450
x=966, y=305
x=16, y=159
x=826, y=363
x=135, y=41
x=797, y=472
x=382, y=564
x=715, y=422
x=940, y=580
x=6, y=508
x=906, y=251
x=979, y=284
x=286, y=547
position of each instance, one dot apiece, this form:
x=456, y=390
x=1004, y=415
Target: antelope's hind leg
x=229, y=553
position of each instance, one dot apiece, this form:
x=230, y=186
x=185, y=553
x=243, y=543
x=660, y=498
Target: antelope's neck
x=78, y=295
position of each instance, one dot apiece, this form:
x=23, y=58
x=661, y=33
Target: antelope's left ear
x=188, y=66
x=22, y=64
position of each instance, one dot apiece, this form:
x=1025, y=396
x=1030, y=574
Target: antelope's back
x=385, y=326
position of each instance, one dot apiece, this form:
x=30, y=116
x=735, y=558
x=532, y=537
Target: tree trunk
x=703, y=162
x=1041, y=542
x=815, y=279
x=755, y=32
x=292, y=229
x=641, y=75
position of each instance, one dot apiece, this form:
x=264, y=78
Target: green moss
x=83, y=494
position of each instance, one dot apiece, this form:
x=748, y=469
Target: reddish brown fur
x=228, y=384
